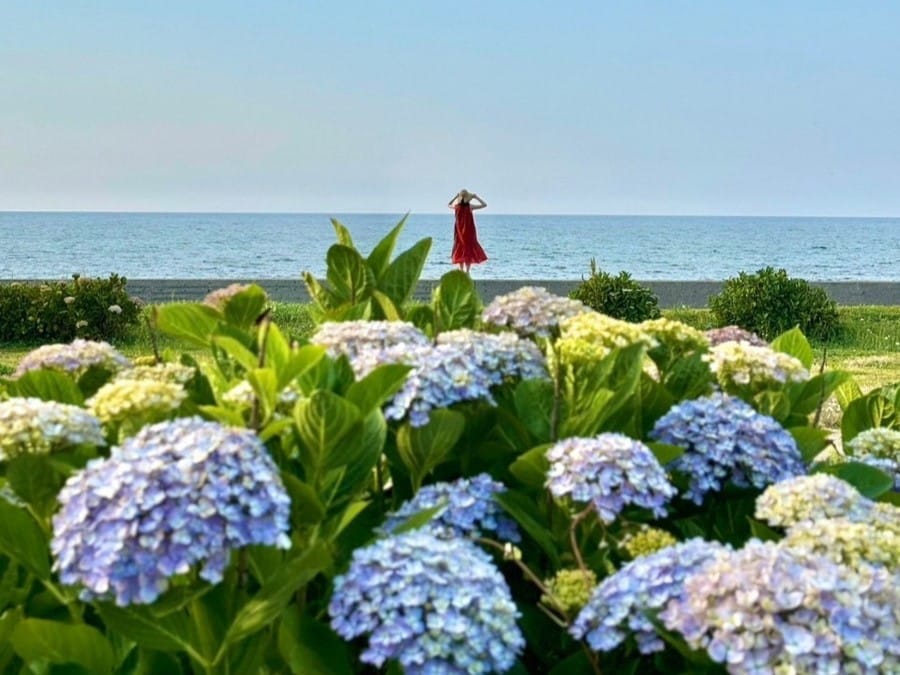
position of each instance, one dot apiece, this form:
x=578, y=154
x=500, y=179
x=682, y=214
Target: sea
x=258, y=246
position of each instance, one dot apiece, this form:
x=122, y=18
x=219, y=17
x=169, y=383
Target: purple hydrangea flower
x=435, y=605
x=352, y=337
x=619, y=604
x=608, y=471
x=73, y=358
x=726, y=439
x=176, y=494
x=717, y=336
x=531, y=310
x=768, y=608
x=469, y=510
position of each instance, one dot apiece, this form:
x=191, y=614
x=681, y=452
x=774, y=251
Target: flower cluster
x=506, y=354
x=73, y=358
x=620, y=603
x=33, y=426
x=591, y=336
x=173, y=373
x=531, y=310
x=435, y=605
x=608, y=471
x=467, y=509
x=879, y=447
x=741, y=364
x=218, y=298
x=812, y=497
x=569, y=590
x=767, y=608
x=242, y=395
x=675, y=336
x=646, y=540
x=726, y=439
x=717, y=336
x=849, y=543
x=148, y=400
x=177, y=494
x=350, y=338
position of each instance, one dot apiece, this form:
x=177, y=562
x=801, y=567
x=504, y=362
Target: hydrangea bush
x=36, y=427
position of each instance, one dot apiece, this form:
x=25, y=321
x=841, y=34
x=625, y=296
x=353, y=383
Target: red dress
x=466, y=249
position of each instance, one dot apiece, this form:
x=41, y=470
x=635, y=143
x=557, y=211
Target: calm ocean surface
x=271, y=246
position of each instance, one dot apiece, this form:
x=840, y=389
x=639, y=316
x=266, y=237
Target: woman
x=466, y=249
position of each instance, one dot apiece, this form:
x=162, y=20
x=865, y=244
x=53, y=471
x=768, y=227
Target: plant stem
x=557, y=393
x=815, y=422
x=573, y=539
x=154, y=335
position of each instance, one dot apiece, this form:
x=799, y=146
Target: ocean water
x=270, y=246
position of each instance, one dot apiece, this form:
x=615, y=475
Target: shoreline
x=671, y=294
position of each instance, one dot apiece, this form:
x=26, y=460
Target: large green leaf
x=237, y=351
x=357, y=458
x=870, y=482
x=809, y=395
x=47, y=385
x=377, y=387
x=300, y=361
x=343, y=234
x=847, y=392
x=275, y=594
x=243, y=308
x=422, y=448
x=794, y=342
x=810, y=441
x=688, y=377
x=265, y=387
x=456, y=303
x=872, y=410
x=22, y=539
x=164, y=633
x=310, y=647
x=399, y=279
x=534, y=407
x=383, y=308
x=380, y=256
x=350, y=278
x=531, y=467
x=306, y=507
x=321, y=295
x=324, y=420
x=38, y=640
x=192, y=322
x=35, y=479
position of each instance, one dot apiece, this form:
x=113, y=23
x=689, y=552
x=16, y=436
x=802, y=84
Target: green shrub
x=60, y=311
x=620, y=297
x=769, y=302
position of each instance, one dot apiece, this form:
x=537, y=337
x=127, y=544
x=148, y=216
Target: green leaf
x=418, y=519
x=534, y=406
x=358, y=457
x=377, y=387
x=793, y=342
x=531, y=467
x=861, y=414
x=456, y=303
x=323, y=421
x=386, y=309
x=343, y=234
x=243, y=308
x=689, y=377
x=275, y=594
x=37, y=640
x=664, y=452
x=524, y=512
x=422, y=448
x=36, y=481
x=847, y=392
x=810, y=441
x=380, y=256
x=322, y=296
x=868, y=480
x=192, y=322
x=762, y=531
x=237, y=351
x=47, y=385
x=301, y=360
x=350, y=278
x=265, y=385
x=399, y=279
x=310, y=647
x=164, y=633
x=306, y=507
x=22, y=539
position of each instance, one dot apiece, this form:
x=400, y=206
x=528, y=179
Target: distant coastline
x=670, y=293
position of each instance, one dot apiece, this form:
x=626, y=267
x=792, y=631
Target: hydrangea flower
x=33, y=426
x=591, y=336
x=435, y=605
x=726, y=439
x=646, y=540
x=174, y=373
x=123, y=399
x=768, y=608
x=469, y=510
x=352, y=337
x=849, y=543
x=676, y=336
x=608, y=471
x=717, y=336
x=242, y=394
x=619, y=604
x=531, y=311
x=570, y=590
x=177, y=494
x=741, y=364
x=879, y=447
x=73, y=358
x=812, y=497
x=506, y=355
x=218, y=298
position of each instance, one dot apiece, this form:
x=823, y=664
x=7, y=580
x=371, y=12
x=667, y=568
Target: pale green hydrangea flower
x=570, y=590
x=741, y=365
x=33, y=426
x=880, y=442
x=173, y=373
x=812, y=497
x=242, y=394
x=144, y=400
x=850, y=543
x=675, y=335
x=591, y=336
x=645, y=541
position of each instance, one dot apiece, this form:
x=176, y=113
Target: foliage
x=59, y=311
x=422, y=495
x=619, y=296
x=770, y=302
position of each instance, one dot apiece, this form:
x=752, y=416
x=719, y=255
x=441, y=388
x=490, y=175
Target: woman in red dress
x=466, y=249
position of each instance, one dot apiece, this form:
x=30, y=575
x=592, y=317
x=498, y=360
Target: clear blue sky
x=583, y=107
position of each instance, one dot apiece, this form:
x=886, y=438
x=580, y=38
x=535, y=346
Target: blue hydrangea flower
x=768, y=608
x=435, y=605
x=619, y=604
x=176, y=494
x=531, y=310
x=726, y=439
x=352, y=337
x=469, y=510
x=608, y=471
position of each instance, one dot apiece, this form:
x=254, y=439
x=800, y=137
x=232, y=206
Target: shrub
x=620, y=297
x=60, y=311
x=769, y=302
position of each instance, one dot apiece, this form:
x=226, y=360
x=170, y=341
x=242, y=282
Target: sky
x=669, y=107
